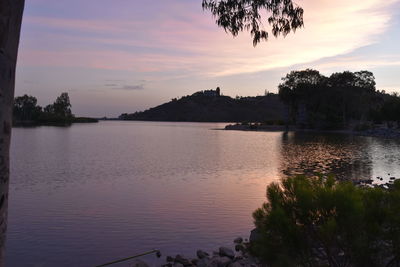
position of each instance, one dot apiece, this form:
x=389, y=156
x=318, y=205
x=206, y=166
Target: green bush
x=322, y=222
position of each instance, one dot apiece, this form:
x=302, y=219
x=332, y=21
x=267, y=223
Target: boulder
x=201, y=254
x=235, y=264
x=224, y=251
x=238, y=240
x=255, y=235
x=204, y=262
x=180, y=259
x=224, y=261
x=139, y=263
x=239, y=247
x=219, y=262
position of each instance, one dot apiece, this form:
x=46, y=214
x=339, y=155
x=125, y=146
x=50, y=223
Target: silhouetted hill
x=208, y=107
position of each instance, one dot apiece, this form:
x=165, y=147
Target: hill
x=210, y=106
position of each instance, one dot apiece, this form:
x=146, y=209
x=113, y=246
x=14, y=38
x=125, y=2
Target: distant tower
x=218, y=91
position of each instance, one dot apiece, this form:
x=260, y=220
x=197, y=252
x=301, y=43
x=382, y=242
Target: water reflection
x=346, y=157
x=87, y=194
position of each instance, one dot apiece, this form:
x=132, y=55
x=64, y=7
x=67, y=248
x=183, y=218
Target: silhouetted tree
x=25, y=108
x=62, y=106
x=390, y=109
x=299, y=88
x=356, y=91
x=10, y=26
x=317, y=101
x=239, y=15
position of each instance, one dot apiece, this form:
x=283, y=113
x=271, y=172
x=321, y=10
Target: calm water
x=91, y=193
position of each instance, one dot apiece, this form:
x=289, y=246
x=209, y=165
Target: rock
x=194, y=261
x=255, y=235
x=177, y=264
x=224, y=261
x=235, y=264
x=219, y=262
x=239, y=247
x=203, y=262
x=139, y=263
x=238, y=240
x=238, y=258
x=169, y=259
x=180, y=259
x=201, y=254
x=224, y=251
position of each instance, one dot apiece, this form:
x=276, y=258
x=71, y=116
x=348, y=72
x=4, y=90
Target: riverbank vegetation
x=341, y=101
x=306, y=100
x=322, y=222
x=26, y=112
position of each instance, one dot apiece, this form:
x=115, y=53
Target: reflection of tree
x=311, y=154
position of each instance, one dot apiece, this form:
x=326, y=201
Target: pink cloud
x=195, y=45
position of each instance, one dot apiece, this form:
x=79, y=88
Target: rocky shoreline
x=239, y=255
x=223, y=257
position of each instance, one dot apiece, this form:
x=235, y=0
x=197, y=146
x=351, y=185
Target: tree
x=298, y=88
x=322, y=222
x=26, y=109
x=10, y=27
x=239, y=15
x=233, y=15
x=318, y=101
x=62, y=106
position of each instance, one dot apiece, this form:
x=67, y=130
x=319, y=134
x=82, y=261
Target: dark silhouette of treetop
x=239, y=15
x=62, y=105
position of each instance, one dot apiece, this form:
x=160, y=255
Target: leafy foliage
x=239, y=15
x=27, y=110
x=62, y=106
x=390, y=108
x=321, y=222
x=329, y=102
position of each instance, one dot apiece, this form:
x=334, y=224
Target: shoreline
x=378, y=132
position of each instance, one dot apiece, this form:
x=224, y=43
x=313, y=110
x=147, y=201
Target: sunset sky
x=128, y=55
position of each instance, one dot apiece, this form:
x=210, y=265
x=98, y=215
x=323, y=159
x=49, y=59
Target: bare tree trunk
x=10, y=27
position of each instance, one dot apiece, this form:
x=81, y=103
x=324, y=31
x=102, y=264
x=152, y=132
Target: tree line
x=338, y=101
x=27, y=111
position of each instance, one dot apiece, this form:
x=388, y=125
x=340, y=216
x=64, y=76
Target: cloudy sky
x=128, y=55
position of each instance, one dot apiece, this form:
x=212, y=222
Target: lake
x=90, y=193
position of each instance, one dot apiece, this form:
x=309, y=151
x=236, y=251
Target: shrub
x=322, y=222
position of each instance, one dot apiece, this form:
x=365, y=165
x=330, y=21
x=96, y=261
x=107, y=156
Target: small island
x=26, y=112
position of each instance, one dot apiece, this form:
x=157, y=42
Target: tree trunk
x=10, y=27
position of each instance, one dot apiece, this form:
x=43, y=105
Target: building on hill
x=212, y=93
